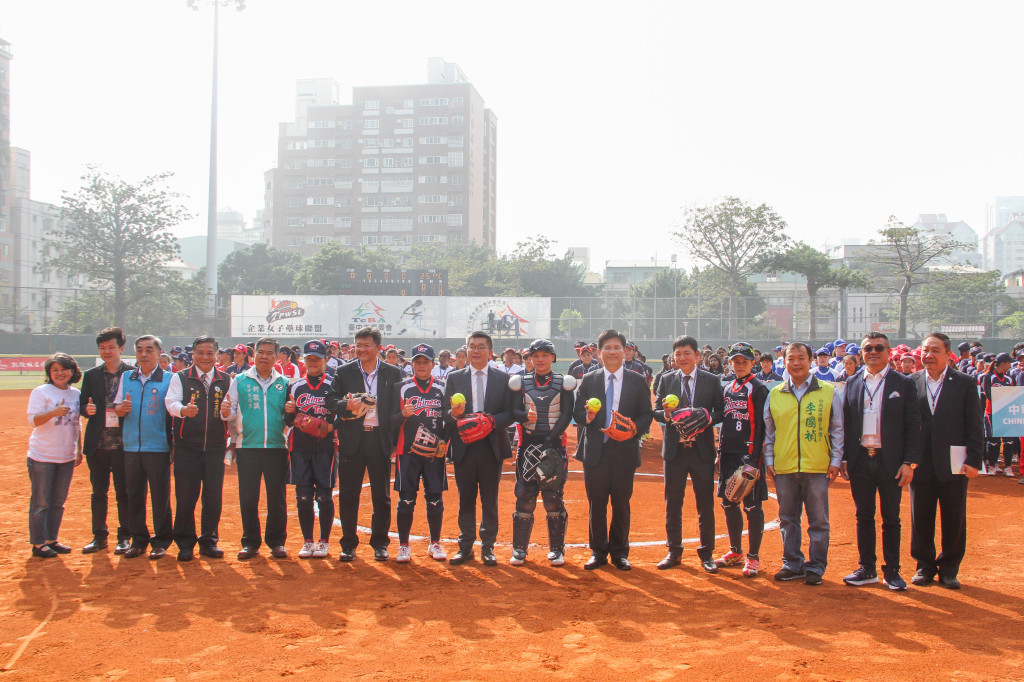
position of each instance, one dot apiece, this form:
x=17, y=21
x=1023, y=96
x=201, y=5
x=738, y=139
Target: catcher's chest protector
x=546, y=400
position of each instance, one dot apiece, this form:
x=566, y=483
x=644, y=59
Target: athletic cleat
x=730, y=558
x=750, y=567
x=861, y=576
x=307, y=550
x=556, y=558
x=436, y=552
x=404, y=554
x=518, y=557
x=321, y=549
x=1008, y=472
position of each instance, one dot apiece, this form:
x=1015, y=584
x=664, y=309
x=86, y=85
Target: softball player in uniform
x=312, y=454
x=421, y=447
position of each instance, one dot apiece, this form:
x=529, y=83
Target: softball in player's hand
x=671, y=401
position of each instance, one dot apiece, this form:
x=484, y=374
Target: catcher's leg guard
x=522, y=527
x=557, y=523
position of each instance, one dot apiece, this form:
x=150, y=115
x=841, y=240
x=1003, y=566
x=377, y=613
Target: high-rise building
x=6, y=239
x=400, y=165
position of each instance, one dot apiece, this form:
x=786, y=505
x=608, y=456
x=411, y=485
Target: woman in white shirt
x=54, y=450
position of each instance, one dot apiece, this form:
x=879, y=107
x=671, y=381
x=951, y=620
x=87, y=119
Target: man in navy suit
x=951, y=432
x=696, y=458
x=609, y=463
x=478, y=464
x=882, y=450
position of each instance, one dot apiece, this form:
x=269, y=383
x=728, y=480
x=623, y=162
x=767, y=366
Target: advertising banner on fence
x=501, y=317
x=26, y=364
x=1008, y=411
x=285, y=316
x=394, y=316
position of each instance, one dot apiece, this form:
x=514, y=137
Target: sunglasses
x=874, y=349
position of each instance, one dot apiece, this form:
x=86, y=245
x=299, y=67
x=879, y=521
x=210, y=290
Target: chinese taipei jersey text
x=426, y=399
x=310, y=395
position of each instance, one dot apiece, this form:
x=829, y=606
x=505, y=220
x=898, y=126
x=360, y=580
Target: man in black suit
x=102, y=446
x=365, y=441
x=882, y=450
x=696, y=458
x=609, y=463
x=478, y=464
x=952, y=432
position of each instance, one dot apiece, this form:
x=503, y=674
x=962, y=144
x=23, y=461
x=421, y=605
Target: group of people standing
x=340, y=421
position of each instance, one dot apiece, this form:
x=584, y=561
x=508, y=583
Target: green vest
x=262, y=411
x=802, y=443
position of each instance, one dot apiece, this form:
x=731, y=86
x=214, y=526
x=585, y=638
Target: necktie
x=206, y=383
x=478, y=392
x=687, y=391
x=609, y=400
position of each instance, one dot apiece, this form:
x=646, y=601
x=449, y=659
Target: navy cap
x=741, y=349
x=975, y=350
x=1003, y=357
x=176, y=349
x=423, y=350
x=963, y=346
x=315, y=348
x=838, y=342
x=579, y=344
x=852, y=349
x=822, y=351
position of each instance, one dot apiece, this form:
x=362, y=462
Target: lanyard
x=370, y=384
x=871, y=394
x=933, y=398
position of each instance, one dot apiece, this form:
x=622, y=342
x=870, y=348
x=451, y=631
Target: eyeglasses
x=874, y=349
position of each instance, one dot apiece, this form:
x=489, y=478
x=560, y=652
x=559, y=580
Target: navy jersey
x=770, y=376
x=310, y=396
x=987, y=381
x=579, y=370
x=426, y=398
x=640, y=368
x=742, y=430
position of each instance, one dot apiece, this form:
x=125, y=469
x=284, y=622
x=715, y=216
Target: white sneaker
x=518, y=557
x=306, y=551
x=436, y=552
x=556, y=558
x=404, y=554
x=321, y=550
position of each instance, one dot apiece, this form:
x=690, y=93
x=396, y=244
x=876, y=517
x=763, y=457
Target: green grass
x=12, y=380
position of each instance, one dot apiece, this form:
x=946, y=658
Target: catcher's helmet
x=542, y=346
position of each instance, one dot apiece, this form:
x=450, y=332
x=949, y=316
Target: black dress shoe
x=673, y=559
x=949, y=582
x=212, y=551
x=461, y=558
x=487, y=556
x=185, y=555
x=279, y=552
x=58, y=547
x=595, y=561
x=621, y=563
x=247, y=553
x=709, y=565
x=134, y=551
x=43, y=551
x=380, y=554
x=158, y=553
x=347, y=555
x=923, y=577
x=96, y=545
x=123, y=545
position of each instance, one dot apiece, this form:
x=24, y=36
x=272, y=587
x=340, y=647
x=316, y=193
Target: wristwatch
x=912, y=466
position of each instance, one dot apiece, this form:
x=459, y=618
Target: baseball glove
x=741, y=482
x=367, y=402
x=621, y=428
x=314, y=426
x=545, y=465
x=475, y=426
x=690, y=422
x=424, y=443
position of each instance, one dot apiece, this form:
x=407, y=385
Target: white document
x=110, y=418
x=957, y=457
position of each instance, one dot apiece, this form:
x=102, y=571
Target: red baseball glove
x=314, y=426
x=475, y=426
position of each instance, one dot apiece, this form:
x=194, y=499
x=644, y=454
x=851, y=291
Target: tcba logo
x=282, y=310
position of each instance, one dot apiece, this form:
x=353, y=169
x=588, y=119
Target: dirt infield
x=101, y=617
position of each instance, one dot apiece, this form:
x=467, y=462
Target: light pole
x=211, y=209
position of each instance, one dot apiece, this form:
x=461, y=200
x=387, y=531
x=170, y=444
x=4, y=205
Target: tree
x=322, y=272
x=972, y=298
x=568, y=320
x=470, y=266
x=1014, y=324
x=733, y=238
x=819, y=271
x=907, y=253
x=533, y=269
x=118, y=235
x=257, y=269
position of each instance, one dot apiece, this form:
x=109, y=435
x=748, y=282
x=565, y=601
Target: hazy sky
x=611, y=116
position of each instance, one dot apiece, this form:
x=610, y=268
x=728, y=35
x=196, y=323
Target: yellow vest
x=802, y=442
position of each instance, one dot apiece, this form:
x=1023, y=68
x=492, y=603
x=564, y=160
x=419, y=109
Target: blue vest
x=146, y=427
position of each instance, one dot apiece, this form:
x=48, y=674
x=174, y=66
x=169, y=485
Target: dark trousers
x=703, y=476
x=866, y=482
x=197, y=472
x=50, y=484
x=369, y=459
x=152, y=469
x=927, y=493
x=611, y=478
x=104, y=464
x=271, y=466
x=479, y=470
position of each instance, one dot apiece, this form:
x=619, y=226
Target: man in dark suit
x=102, y=447
x=698, y=389
x=952, y=432
x=882, y=449
x=609, y=463
x=478, y=464
x=365, y=441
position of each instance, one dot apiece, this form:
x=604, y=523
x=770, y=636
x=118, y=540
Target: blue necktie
x=609, y=397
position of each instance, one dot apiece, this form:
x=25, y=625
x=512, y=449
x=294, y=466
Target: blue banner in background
x=1007, y=411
